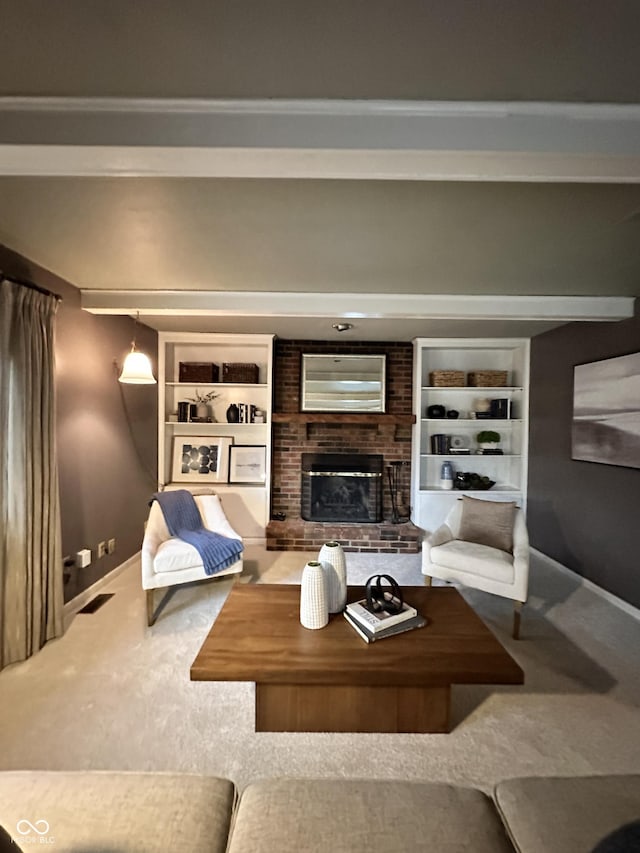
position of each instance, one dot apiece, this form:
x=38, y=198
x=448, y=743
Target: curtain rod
x=30, y=285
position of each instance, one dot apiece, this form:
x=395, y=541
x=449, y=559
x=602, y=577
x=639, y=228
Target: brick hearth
x=385, y=538
x=294, y=434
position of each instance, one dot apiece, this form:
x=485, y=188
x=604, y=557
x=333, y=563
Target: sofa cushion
x=174, y=555
x=127, y=812
x=566, y=814
x=351, y=816
x=474, y=560
x=487, y=523
x=7, y=843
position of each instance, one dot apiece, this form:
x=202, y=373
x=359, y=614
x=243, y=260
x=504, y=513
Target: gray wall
x=106, y=432
x=581, y=513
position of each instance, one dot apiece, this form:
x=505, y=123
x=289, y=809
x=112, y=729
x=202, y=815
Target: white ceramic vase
x=334, y=565
x=314, y=609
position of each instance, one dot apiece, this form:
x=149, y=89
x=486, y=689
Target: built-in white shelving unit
x=246, y=506
x=430, y=502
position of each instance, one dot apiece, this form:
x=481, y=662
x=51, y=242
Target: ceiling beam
x=375, y=140
x=357, y=305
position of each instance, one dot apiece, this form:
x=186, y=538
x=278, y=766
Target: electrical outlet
x=102, y=549
x=111, y=546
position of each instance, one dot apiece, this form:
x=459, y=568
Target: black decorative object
x=470, y=481
x=500, y=408
x=453, y=414
x=233, y=414
x=383, y=598
x=439, y=444
x=436, y=411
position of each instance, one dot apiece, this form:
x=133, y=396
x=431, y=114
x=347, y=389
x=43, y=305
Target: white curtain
x=31, y=597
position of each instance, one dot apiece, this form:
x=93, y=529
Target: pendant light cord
x=143, y=466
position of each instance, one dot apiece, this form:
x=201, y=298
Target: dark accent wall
x=106, y=432
x=583, y=514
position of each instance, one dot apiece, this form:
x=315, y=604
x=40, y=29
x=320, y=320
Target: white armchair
x=167, y=561
x=502, y=572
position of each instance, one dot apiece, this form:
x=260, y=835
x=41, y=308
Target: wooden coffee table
x=330, y=680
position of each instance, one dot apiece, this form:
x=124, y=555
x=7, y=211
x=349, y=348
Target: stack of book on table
x=376, y=624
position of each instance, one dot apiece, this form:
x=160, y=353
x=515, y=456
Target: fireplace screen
x=341, y=487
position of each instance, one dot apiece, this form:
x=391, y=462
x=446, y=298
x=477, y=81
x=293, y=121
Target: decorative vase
x=233, y=414
x=334, y=565
x=202, y=412
x=314, y=611
x=446, y=476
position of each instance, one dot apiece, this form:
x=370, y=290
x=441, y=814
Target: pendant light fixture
x=136, y=369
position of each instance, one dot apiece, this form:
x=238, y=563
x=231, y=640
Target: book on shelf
x=377, y=620
x=368, y=636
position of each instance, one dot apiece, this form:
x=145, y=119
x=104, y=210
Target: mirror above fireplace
x=343, y=383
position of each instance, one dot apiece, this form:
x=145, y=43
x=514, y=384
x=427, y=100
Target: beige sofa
x=107, y=812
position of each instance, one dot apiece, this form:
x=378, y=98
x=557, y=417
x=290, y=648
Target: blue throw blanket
x=183, y=520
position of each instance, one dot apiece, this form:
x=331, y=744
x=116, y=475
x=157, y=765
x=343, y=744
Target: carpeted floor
x=112, y=694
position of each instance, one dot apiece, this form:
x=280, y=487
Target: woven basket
x=198, y=371
x=240, y=372
x=446, y=378
x=487, y=378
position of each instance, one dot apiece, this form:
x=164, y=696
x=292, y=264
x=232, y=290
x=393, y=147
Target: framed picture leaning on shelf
x=201, y=458
x=248, y=463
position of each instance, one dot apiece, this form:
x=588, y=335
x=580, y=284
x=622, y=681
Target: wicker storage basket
x=446, y=378
x=487, y=378
x=240, y=372
x=198, y=371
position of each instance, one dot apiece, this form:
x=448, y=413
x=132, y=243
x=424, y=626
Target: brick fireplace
x=294, y=434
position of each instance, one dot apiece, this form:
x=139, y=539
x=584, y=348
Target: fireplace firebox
x=344, y=487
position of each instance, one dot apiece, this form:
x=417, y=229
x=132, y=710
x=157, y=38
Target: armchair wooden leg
x=150, y=611
x=428, y=580
x=517, y=610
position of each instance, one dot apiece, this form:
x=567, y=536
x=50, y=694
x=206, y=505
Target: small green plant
x=488, y=436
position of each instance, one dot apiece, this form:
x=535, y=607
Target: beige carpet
x=112, y=694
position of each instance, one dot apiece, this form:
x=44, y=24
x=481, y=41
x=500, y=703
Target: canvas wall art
x=606, y=411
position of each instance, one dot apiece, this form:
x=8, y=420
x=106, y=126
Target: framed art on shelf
x=248, y=463
x=200, y=458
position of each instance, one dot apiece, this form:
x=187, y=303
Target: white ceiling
x=513, y=199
